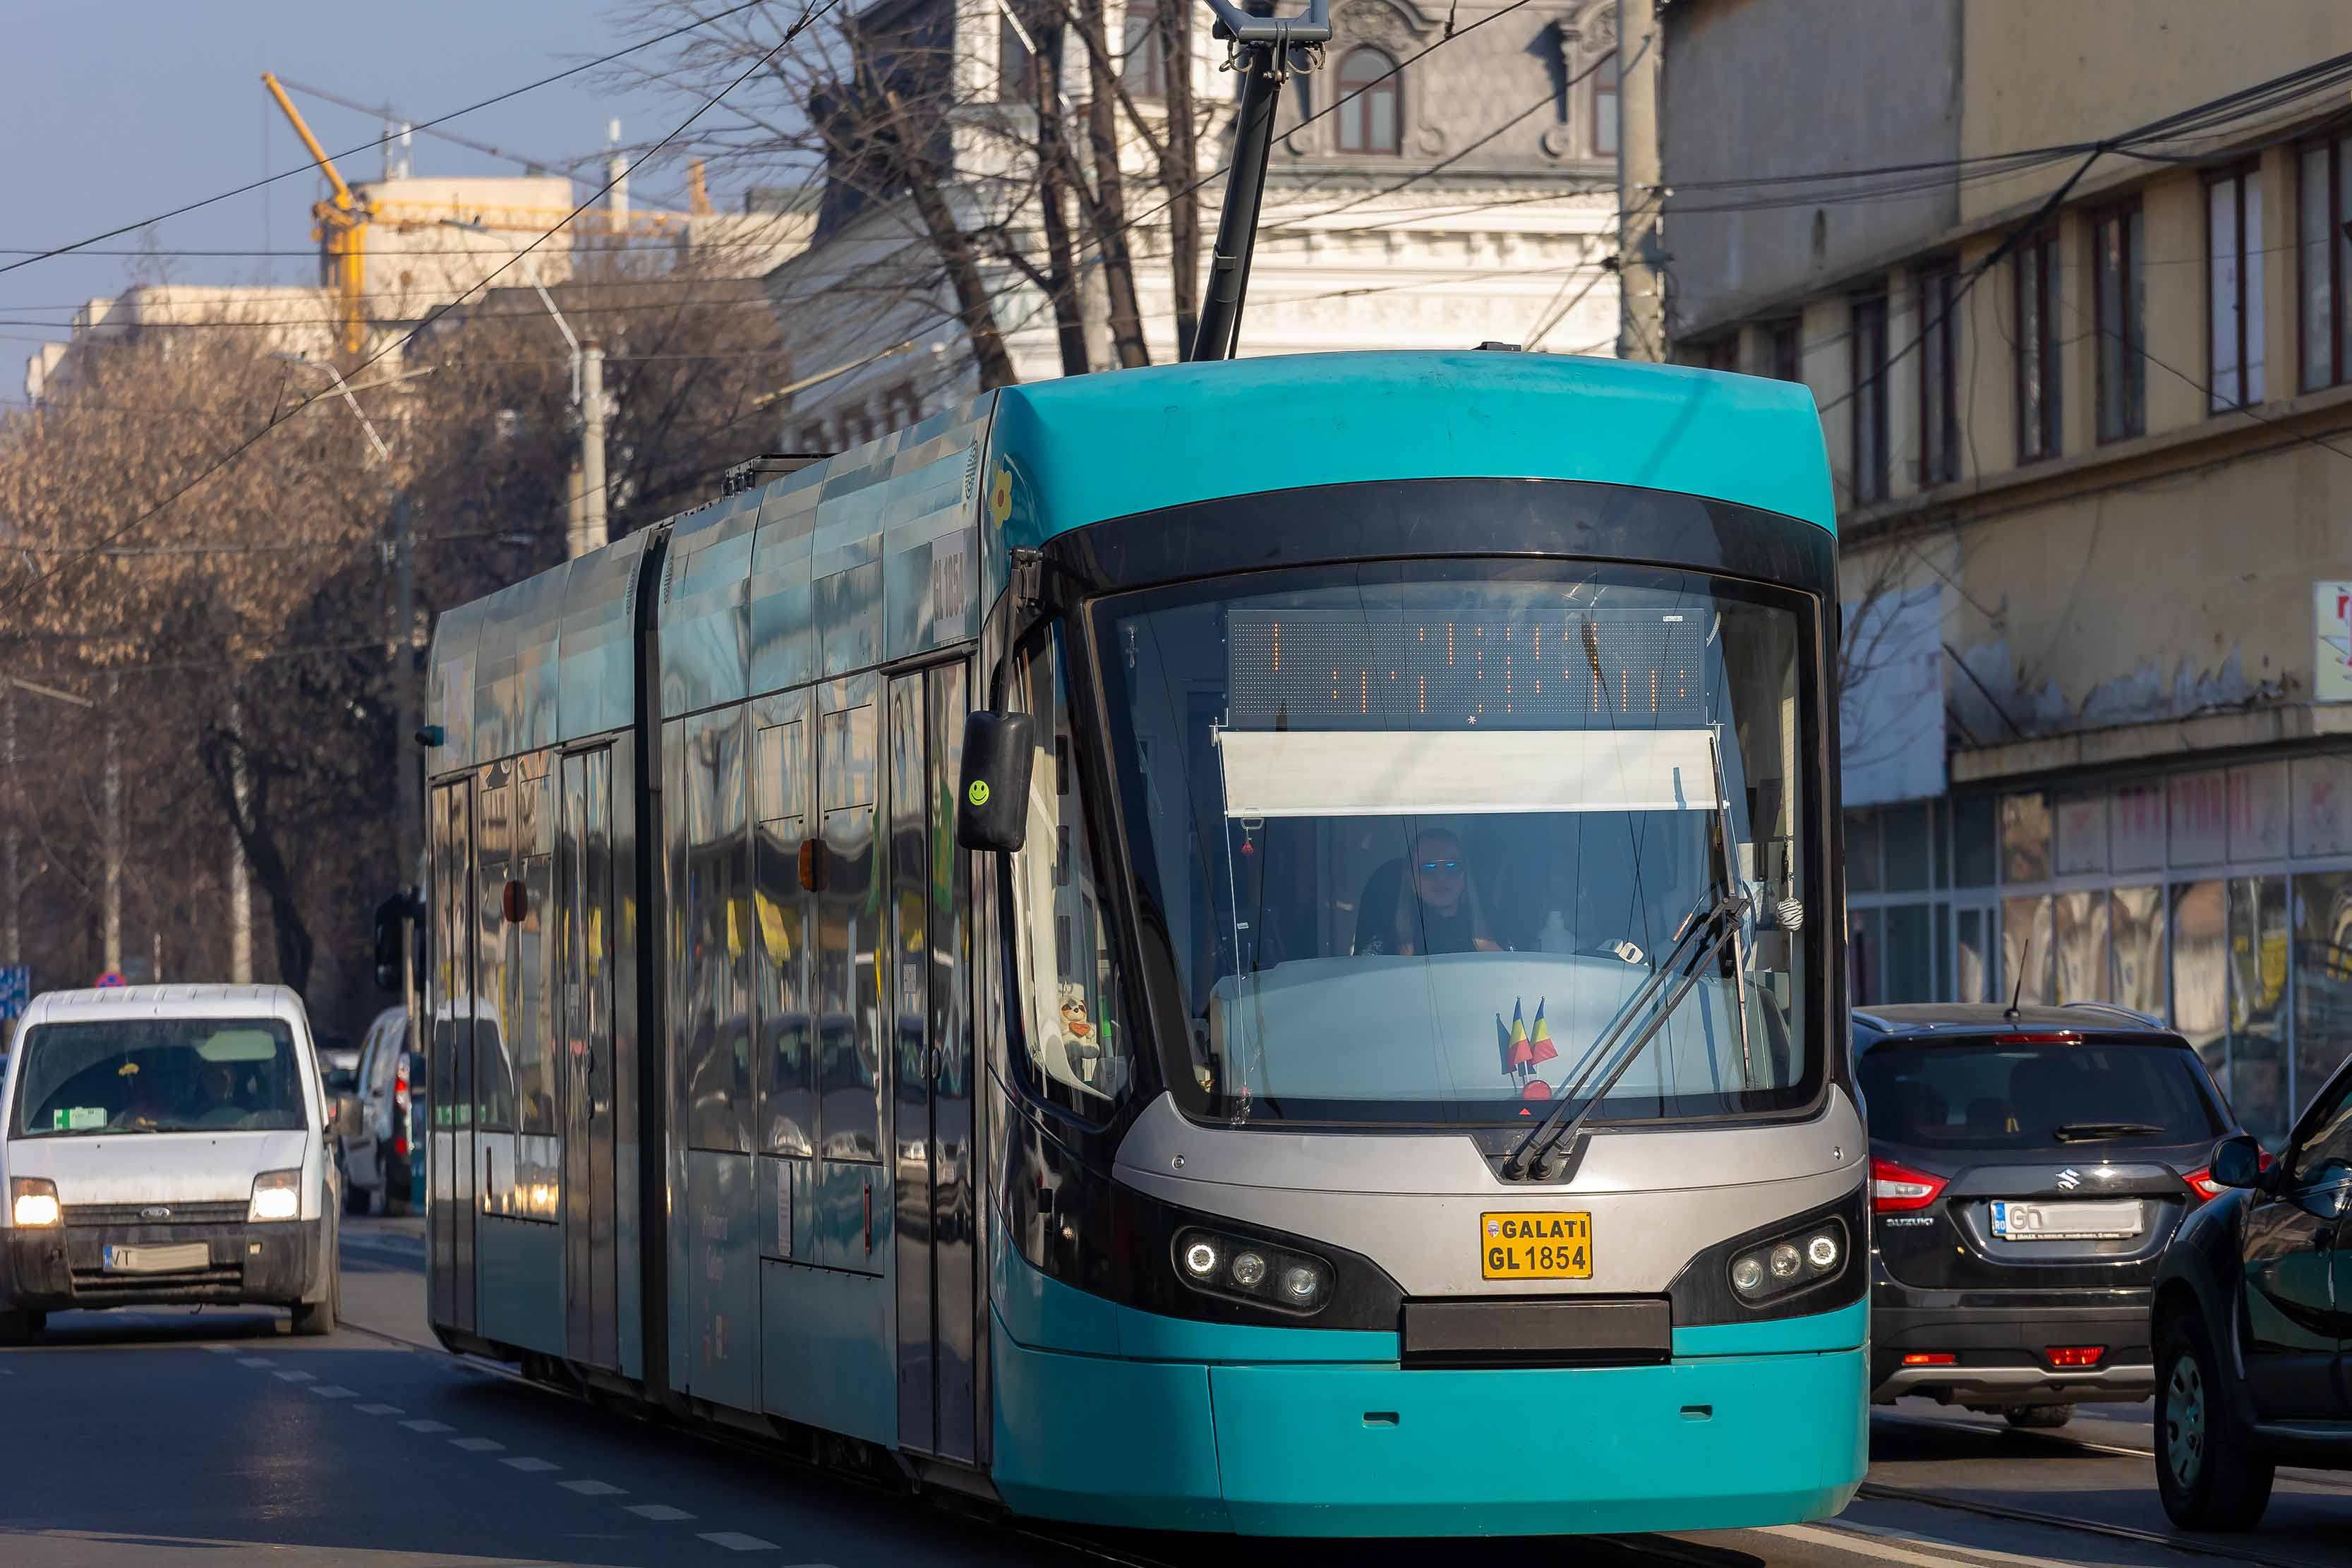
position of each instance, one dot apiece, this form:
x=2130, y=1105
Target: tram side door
x=450, y=1154
x=587, y=1084
x=931, y=1033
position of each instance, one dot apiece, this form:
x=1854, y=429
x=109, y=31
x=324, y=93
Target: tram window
x=851, y=918
x=787, y=1091
x=532, y=1016
x=714, y=913
x=1071, y=1009
x=493, y=1074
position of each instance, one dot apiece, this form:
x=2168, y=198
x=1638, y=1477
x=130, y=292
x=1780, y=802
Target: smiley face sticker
x=977, y=793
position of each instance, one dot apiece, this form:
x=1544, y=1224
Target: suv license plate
x=2111, y=1221
x=1536, y=1246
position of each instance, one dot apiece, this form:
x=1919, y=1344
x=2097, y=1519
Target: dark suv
x=2253, y=1323
x=2028, y=1168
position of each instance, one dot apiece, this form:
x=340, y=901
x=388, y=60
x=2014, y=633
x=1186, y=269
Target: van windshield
x=158, y=1075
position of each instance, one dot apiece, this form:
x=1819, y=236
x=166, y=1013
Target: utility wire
x=807, y=18
x=422, y=125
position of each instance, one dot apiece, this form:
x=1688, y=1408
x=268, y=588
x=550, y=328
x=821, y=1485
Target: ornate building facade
x=1447, y=176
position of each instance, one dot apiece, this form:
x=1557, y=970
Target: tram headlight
x=1780, y=1265
x=1252, y=1271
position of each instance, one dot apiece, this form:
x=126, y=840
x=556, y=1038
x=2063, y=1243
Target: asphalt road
x=214, y=1438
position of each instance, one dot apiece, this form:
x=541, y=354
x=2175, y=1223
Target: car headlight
x=33, y=1203
x=1783, y=1264
x=1252, y=1271
x=277, y=1195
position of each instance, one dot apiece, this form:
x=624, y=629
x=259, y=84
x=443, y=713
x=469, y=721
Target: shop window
x=1973, y=956
x=2200, y=972
x=2025, y=839
x=1908, y=958
x=2322, y=978
x=2081, y=825
x=2079, y=945
x=1909, y=846
x=2025, y=945
x=2259, y=1090
x=1973, y=857
x=2135, y=935
x=1862, y=873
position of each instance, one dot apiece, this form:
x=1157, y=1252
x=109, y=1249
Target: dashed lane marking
x=292, y=1376
x=428, y=1426
x=254, y=1361
x=377, y=1409
x=478, y=1445
x=220, y=1350
x=594, y=1488
x=534, y=1466
x=1863, y=1546
x=658, y=1511
x=736, y=1541
x=332, y=1391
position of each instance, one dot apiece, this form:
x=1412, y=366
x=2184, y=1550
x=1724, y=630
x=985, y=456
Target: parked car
x=337, y=1053
x=2251, y=1323
x=2029, y=1166
x=381, y=1151
x=166, y=1143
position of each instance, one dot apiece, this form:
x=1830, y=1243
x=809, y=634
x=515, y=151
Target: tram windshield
x=1418, y=831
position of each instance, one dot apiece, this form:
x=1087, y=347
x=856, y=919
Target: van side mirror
x=2237, y=1162
x=993, y=802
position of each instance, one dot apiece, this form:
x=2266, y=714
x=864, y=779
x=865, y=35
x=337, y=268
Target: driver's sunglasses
x=1441, y=865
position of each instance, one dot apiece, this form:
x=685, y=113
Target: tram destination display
x=1578, y=668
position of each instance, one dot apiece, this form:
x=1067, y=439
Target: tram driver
x=1436, y=907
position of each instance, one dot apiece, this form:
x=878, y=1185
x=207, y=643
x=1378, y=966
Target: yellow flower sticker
x=1000, y=496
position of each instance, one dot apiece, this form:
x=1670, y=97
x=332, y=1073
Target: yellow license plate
x=1536, y=1246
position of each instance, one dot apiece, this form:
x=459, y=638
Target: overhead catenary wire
x=809, y=15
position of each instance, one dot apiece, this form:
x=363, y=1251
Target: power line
x=422, y=125
x=807, y=18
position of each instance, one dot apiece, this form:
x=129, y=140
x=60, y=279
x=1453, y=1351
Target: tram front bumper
x=1715, y=1440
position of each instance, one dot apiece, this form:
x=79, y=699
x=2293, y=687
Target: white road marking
x=736, y=1541
x=660, y=1511
x=292, y=1376
x=428, y=1426
x=476, y=1445
x=534, y=1466
x=1880, y=1531
x=1863, y=1546
x=377, y=1409
x=332, y=1391
x=594, y=1488
x=254, y=1361
x=220, y=1350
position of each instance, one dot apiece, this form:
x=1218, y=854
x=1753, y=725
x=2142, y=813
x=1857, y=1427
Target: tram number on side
x=1536, y=1246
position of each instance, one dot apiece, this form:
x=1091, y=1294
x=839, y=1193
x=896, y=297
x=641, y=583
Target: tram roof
x=1100, y=446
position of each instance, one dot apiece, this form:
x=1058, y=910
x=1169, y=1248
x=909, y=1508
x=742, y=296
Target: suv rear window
x=1996, y=1094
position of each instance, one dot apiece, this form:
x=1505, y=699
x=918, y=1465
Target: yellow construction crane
x=342, y=220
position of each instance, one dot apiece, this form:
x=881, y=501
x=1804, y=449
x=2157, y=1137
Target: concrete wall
x=1755, y=88
x=2040, y=74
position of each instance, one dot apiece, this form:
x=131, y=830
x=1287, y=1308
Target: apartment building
x=2072, y=287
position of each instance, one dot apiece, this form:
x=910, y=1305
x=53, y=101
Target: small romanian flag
x=1540, y=1048
x=1521, y=1051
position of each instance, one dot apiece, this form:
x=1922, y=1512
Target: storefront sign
x=2331, y=614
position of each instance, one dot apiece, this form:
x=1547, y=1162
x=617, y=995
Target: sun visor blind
x=1341, y=773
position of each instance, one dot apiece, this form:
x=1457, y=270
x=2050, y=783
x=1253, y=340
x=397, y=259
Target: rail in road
x=203, y=1435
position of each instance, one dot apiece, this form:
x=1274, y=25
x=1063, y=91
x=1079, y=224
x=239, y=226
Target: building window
x=1784, y=356
x=1720, y=353
x=2119, y=308
x=1143, y=56
x=2039, y=408
x=2325, y=256
x=1604, y=106
x=2233, y=288
x=1368, y=117
x=1939, y=353
x=1867, y=342
x=1017, y=61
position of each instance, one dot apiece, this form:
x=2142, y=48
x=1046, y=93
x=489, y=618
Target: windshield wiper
x=2095, y=1131
x=1683, y=963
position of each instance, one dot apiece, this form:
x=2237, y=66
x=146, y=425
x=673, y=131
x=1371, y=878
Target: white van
x=166, y=1144
x=381, y=1150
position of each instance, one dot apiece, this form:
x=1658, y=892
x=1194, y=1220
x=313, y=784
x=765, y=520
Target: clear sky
x=110, y=113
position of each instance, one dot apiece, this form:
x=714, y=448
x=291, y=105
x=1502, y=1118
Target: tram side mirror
x=992, y=803
x=2237, y=1162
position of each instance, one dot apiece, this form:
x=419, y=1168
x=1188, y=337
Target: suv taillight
x=2202, y=1183
x=400, y=1107
x=1898, y=1189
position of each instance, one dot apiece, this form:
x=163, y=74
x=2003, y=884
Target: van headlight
x=33, y=1203
x=277, y=1195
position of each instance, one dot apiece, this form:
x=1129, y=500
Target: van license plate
x=1536, y=1246
x=2113, y=1221
x=157, y=1259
